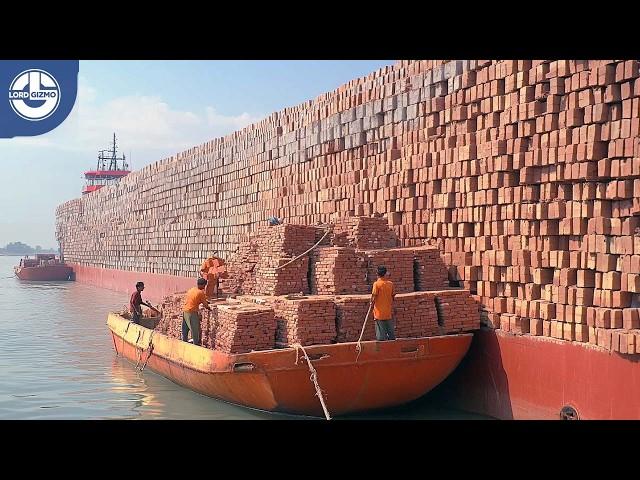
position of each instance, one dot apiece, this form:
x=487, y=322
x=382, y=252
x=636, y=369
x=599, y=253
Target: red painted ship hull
x=44, y=273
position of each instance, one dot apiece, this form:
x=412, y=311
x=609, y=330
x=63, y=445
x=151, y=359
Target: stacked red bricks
x=526, y=172
x=457, y=311
x=363, y=233
x=307, y=321
x=241, y=269
x=429, y=271
x=399, y=263
x=244, y=327
x=254, y=267
x=337, y=270
x=416, y=316
x=290, y=278
x=351, y=311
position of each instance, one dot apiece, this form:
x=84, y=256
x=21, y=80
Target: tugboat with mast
x=109, y=169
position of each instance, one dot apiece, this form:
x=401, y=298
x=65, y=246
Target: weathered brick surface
x=415, y=315
x=245, y=327
x=525, y=173
x=307, y=321
x=399, y=263
x=351, y=311
x=337, y=270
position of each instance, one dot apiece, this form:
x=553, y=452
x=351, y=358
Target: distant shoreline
x=25, y=254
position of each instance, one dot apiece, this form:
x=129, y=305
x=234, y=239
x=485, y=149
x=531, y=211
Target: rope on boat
x=358, y=345
x=150, y=350
x=313, y=377
x=303, y=254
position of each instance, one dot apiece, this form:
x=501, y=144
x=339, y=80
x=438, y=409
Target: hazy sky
x=156, y=108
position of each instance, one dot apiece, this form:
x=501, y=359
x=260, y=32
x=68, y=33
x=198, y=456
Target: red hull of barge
x=44, y=273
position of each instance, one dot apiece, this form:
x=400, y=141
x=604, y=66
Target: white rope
x=313, y=377
x=358, y=345
x=303, y=254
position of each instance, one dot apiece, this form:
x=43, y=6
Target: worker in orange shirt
x=382, y=297
x=191, y=317
x=209, y=271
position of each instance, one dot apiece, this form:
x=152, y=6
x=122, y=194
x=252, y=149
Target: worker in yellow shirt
x=382, y=297
x=209, y=271
x=191, y=317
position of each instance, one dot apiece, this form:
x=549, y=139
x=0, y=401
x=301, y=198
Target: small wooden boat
x=384, y=374
x=45, y=267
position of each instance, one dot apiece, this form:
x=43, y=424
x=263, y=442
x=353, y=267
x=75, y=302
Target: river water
x=57, y=362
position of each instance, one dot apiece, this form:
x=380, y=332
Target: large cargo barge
x=524, y=173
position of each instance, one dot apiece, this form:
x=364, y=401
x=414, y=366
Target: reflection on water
x=57, y=362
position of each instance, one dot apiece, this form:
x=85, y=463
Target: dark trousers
x=191, y=322
x=385, y=330
x=135, y=317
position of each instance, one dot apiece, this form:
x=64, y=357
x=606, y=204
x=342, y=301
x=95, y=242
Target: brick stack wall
x=527, y=171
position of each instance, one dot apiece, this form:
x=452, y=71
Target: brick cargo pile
x=416, y=315
x=350, y=313
x=523, y=170
x=307, y=321
x=244, y=327
x=457, y=310
x=363, y=233
x=399, y=263
x=337, y=270
x=429, y=271
x=252, y=269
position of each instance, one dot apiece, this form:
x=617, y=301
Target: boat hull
x=385, y=374
x=44, y=273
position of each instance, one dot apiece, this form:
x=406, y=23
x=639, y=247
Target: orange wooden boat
x=385, y=374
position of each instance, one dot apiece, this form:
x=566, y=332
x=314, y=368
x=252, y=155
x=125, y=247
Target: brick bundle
x=286, y=239
x=429, y=271
x=337, y=270
x=457, y=311
x=245, y=327
x=306, y=320
x=399, y=263
x=292, y=278
x=241, y=269
x=363, y=233
x=350, y=314
x=415, y=315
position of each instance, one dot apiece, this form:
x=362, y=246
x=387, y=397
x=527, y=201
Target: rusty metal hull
x=385, y=374
x=44, y=273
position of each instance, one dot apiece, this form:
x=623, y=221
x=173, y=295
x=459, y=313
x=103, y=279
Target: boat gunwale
x=257, y=355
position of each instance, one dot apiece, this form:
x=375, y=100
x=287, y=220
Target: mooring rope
x=358, y=345
x=313, y=377
x=150, y=350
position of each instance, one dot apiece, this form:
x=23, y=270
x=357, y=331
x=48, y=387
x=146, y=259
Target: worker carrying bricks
x=273, y=221
x=210, y=272
x=191, y=317
x=382, y=297
x=135, y=303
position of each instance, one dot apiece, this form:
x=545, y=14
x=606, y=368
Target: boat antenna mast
x=110, y=156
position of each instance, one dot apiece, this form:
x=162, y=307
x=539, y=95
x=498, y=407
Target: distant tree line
x=19, y=248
